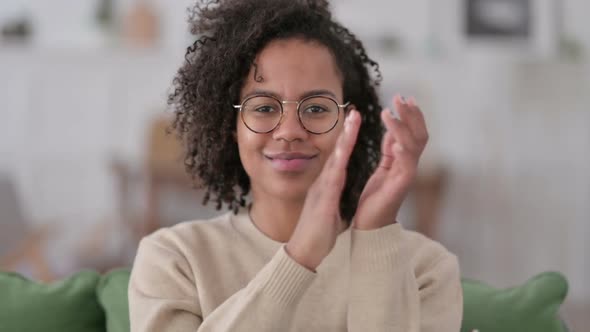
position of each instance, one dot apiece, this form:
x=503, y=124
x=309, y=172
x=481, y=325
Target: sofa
x=89, y=301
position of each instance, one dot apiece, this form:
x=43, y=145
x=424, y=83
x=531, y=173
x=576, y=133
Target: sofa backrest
x=90, y=302
x=67, y=305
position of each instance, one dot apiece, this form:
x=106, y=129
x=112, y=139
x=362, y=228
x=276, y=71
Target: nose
x=290, y=129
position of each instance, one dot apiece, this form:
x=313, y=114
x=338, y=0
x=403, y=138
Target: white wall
x=514, y=127
x=514, y=133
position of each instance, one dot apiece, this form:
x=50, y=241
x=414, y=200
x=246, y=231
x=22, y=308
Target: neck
x=275, y=217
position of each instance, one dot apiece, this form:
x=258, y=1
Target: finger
x=334, y=172
x=387, y=142
x=393, y=125
x=347, y=140
x=401, y=175
x=401, y=133
x=406, y=154
x=405, y=142
x=403, y=109
x=402, y=172
x=338, y=146
x=416, y=122
x=387, y=157
x=412, y=116
x=404, y=161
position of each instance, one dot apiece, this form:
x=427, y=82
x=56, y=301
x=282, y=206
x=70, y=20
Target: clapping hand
x=403, y=143
x=401, y=148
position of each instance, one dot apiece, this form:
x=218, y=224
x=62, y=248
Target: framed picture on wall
x=519, y=27
x=498, y=19
x=507, y=28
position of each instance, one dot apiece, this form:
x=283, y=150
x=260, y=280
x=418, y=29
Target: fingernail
x=390, y=112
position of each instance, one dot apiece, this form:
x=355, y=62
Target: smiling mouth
x=290, y=162
x=289, y=156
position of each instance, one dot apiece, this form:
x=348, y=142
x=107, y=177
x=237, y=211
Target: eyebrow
x=304, y=95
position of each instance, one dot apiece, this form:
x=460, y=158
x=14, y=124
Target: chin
x=287, y=188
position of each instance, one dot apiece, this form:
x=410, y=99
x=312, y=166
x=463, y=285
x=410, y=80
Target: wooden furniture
x=429, y=194
x=21, y=244
x=162, y=169
x=165, y=168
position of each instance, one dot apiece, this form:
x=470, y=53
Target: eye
x=265, y=109
x=315, y=109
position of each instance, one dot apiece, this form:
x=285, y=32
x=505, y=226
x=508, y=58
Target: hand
x=320, y=221
x=402, y=145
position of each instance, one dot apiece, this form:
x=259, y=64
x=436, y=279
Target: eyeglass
x=263, y=114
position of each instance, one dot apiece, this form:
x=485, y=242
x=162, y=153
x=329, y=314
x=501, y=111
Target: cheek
x=248, y=144
x=245, y=138
x=326, y=145
x=329, y=141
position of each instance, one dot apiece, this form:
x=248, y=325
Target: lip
x=290, y=161
x=289, y=155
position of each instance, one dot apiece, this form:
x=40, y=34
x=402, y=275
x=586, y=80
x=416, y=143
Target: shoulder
x=163, y=253
x=427, y=254
x=438, y=281
x=193, y=236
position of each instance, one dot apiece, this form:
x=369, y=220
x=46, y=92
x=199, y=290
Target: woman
x=275, y=99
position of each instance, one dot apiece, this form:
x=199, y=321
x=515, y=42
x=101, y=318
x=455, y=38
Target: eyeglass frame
x=298, y=103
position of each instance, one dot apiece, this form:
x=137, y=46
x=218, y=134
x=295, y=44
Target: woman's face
x=285, y=162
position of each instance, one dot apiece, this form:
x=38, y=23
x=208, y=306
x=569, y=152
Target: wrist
x=372, y=226
x=300, y=258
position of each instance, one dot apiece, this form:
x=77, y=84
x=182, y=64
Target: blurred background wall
x=504, y=84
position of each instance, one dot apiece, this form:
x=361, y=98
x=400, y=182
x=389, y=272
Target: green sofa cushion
x=77, y=304
x=532, y=306
x=112, y=295
x=67, y=305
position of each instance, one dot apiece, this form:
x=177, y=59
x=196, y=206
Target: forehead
x=291, y=67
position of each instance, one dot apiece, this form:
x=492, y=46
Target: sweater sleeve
x=389, y=294
x=163, y=294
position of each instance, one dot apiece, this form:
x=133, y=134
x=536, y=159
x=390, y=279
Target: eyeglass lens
x=262, y=114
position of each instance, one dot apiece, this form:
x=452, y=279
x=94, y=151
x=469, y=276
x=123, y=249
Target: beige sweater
x=224, y=274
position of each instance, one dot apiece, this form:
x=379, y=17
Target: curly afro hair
x=229, y=34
